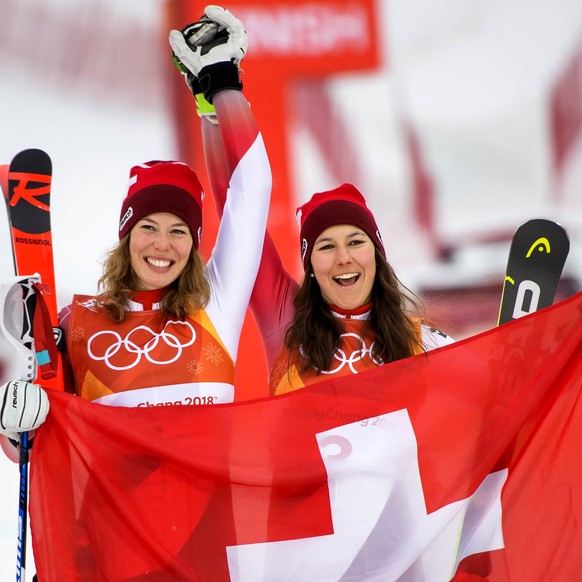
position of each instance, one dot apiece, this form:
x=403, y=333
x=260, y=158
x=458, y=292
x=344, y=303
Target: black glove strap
x=193, y=84
x=16, y=443
x=218, y=77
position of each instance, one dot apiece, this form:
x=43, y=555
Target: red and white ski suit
x=150, y=360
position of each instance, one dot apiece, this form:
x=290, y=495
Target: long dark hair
x=189, y=292
x=314, y=335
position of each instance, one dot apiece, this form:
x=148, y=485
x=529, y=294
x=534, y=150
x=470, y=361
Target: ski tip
x=36, y=157
x=541, y=223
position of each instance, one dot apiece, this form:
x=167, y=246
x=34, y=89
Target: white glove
x=24, y=407
x=223, y=48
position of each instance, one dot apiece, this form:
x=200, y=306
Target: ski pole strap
x=16, y=444
x=44, y=339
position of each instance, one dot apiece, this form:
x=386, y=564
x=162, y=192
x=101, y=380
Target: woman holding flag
x=164, y=329
x=350, y=298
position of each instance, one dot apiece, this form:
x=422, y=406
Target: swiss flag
x=463, y=463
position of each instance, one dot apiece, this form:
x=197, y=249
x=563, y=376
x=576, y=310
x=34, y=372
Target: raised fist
x=217, y=37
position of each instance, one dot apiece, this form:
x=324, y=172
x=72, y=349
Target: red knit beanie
x=163, y=187
x=343, y=205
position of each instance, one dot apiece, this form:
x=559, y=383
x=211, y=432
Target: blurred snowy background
x=471, y=125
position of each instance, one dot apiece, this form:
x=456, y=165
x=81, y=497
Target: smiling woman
x=164, y=327
x=159, y=230
x=159, y=249
x=351, y=311
x=344, y=264
x=156, y=334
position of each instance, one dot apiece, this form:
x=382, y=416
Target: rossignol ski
x=4, y=178
x=27, y=187
x=537, y=255
x=28, y=204
x=28, y=197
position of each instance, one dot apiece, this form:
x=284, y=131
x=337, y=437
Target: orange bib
x=146, y=350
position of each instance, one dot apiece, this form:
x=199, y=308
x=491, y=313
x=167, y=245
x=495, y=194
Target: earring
x=312, y=275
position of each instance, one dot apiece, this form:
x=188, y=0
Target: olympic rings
x=147, y=350
x=350, y=360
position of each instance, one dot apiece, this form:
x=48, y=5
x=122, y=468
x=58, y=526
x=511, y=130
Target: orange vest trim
x=353, y=356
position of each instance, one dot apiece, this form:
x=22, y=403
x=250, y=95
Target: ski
x=537, y=255
x=28, y=206
x=26, y=184
x=4, y=187
x=4, y=178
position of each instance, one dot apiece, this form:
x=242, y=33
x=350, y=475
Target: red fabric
x=44, y=339
x=118, y=492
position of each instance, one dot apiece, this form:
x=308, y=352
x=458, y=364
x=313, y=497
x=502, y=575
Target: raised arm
x=272, y=298
x=245, y=175
x=224, y=145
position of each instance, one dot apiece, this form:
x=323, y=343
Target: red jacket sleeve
x=272, y=299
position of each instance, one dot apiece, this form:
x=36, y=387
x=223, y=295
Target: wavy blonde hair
x=189, y=292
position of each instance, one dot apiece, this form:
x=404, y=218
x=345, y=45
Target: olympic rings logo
x=343, y=359
x=121, y=346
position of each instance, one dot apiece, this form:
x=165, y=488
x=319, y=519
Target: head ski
x=537, y=255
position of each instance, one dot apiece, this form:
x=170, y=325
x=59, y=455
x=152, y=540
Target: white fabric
x=235, y=259
x=382, y=531
x=191, y=394
x=433, y=338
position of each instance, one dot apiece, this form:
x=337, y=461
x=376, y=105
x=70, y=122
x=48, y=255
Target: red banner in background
x=320, y=37
x=287, y=42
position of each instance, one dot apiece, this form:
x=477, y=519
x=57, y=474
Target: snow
x=473, y=78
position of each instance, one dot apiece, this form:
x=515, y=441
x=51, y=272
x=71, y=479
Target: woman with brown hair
x=351, y=311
